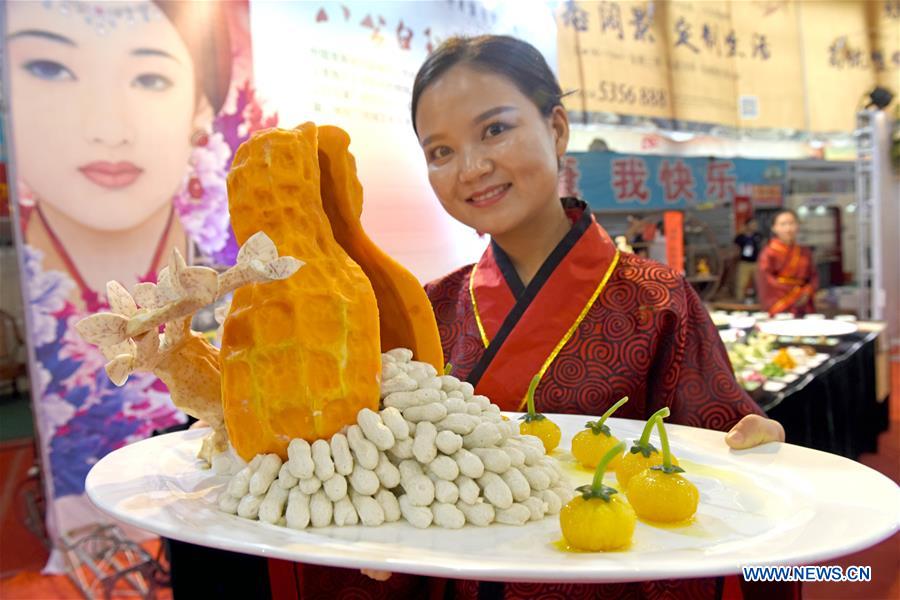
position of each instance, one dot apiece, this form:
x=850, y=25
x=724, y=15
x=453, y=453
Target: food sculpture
x=435, y=453
x=404, y=311
x=327, y=386
x=331, y=429
x=660, y=493
x=188, y=364
x=595, y=440
x=536, y=424
x=598, y=519
x=642, y=454
x=601, y=520
x=302, y=357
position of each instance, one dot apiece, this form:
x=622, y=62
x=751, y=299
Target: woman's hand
x=376, y=575
x=199, y=424
x=754, y=430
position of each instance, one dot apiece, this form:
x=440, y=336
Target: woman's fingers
x=754, y=430
x=376, y=575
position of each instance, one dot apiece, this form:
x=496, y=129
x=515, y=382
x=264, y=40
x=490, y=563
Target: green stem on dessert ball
x=613, y=452
x=612, y=409
x=598, y=427
x=596, y=489
x=648, y=427
x=448, y=368
x=529, y=398
x=667, y=466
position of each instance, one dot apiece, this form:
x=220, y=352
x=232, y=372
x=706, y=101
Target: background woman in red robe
x=787, y=279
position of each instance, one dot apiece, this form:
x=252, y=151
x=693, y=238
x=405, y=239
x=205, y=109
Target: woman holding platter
x=551, y=296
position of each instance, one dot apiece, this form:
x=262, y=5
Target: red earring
x=199, y=139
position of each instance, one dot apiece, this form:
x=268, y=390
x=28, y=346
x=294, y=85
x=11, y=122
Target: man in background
x=748, y=243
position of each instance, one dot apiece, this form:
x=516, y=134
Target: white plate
x=745, y=322
x=730, y=336
x=775, y=504
x=808, y=327
x=732, y=320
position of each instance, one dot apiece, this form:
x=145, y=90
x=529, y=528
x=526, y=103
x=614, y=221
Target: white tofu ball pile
x=435, y=454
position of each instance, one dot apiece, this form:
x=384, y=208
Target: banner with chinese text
x=885, y=55
x=702, y=67
x=767, y=54
x=838, y=68
x=614, y=55
x=609, y=181
x=774, y=64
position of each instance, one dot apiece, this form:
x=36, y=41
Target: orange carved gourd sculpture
x=405, y=313
x=300, y=357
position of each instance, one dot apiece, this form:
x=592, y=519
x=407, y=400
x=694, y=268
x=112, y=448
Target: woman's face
x=491, y=156
x=102, y=122
x=785, y=228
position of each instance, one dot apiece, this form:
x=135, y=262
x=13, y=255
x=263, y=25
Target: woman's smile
x=489, y=196
x=111, y=175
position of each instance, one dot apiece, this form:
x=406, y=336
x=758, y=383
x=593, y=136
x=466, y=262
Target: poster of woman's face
x=114, y=111
x=124, y=117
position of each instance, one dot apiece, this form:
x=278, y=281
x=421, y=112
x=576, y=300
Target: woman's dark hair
x=204, y=28
x=785, y=211
x=518, y=61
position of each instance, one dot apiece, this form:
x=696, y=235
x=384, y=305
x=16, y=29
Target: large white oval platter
x=774, y=504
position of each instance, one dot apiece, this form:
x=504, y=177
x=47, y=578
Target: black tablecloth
x=834, y=407
x=202, y=572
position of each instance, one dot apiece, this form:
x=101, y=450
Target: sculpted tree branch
x=129, y=335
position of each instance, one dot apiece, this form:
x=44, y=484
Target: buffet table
x=841, y=405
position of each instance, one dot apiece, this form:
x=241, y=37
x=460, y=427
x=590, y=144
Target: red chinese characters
x=629, y=179
x=720, y=180
x=677, y=181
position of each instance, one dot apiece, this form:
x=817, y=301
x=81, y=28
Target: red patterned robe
x=599, y=325
x=786, y=279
